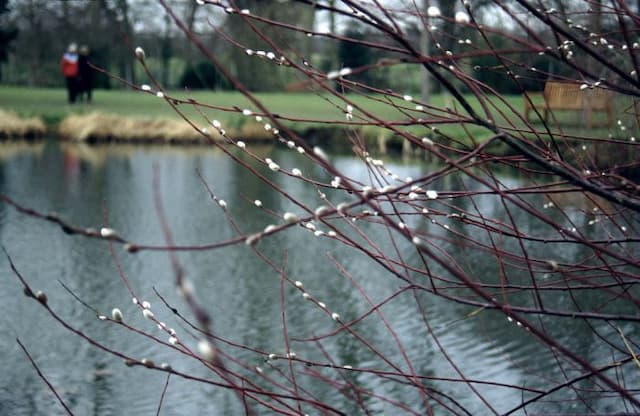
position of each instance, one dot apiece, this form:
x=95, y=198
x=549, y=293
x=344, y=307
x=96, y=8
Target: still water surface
x=240, y=293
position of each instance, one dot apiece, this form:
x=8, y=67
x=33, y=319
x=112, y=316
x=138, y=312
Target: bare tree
x=425, y=231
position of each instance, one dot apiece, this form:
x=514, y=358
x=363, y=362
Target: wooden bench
x=568, y=96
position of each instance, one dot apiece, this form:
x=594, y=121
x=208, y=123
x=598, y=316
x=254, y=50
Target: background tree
x=558, y=237
x=258, y=75
x=7, y=32
x=355, y=55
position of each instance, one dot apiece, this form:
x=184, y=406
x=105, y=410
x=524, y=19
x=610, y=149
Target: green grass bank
x=305, y=113
x=135, y=116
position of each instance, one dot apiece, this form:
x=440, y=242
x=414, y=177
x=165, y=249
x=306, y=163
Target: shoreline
x=103, y=128
x=14, y=127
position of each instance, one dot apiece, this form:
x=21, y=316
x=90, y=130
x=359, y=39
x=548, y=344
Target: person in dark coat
x=69, y=67
x=85, y=75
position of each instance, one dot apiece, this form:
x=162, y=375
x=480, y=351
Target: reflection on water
x=83, y=184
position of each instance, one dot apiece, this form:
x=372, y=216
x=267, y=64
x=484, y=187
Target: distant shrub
x=203, y=75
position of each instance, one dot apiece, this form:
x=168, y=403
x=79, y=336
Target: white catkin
x=140, y=53
x=108, y=232
x=206, y=350
x=116, y=314
x=433, y=11
x=290, y=217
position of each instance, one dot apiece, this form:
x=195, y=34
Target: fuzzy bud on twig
x=462, y=18
x=320, y=153
x=108, y=232
x=290, y=217
x=140, y=53
x=116, y=314
x=433, y=11
x=42, y=297
x=206, y=350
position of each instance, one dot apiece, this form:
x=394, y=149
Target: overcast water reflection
x=82, y=183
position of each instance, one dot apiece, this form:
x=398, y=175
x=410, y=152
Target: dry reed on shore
x=99, y=127
x=13, y=126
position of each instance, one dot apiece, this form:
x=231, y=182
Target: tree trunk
x=166, y=52
x=596, y=27
x=425, y=80
x=127, y=56
x=190, y=20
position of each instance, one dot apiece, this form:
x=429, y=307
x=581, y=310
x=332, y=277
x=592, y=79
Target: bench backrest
x=569, y=96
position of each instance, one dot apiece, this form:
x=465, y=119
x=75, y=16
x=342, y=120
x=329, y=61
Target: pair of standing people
x=77, y=73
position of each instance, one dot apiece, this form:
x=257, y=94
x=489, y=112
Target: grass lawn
x=51, y=103
x=51, y=106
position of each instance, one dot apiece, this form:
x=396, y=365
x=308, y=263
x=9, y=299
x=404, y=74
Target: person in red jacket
x=69, y=65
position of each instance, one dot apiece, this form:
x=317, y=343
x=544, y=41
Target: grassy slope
x=50, y=104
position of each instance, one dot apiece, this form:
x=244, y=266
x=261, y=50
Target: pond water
x=239, y=291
